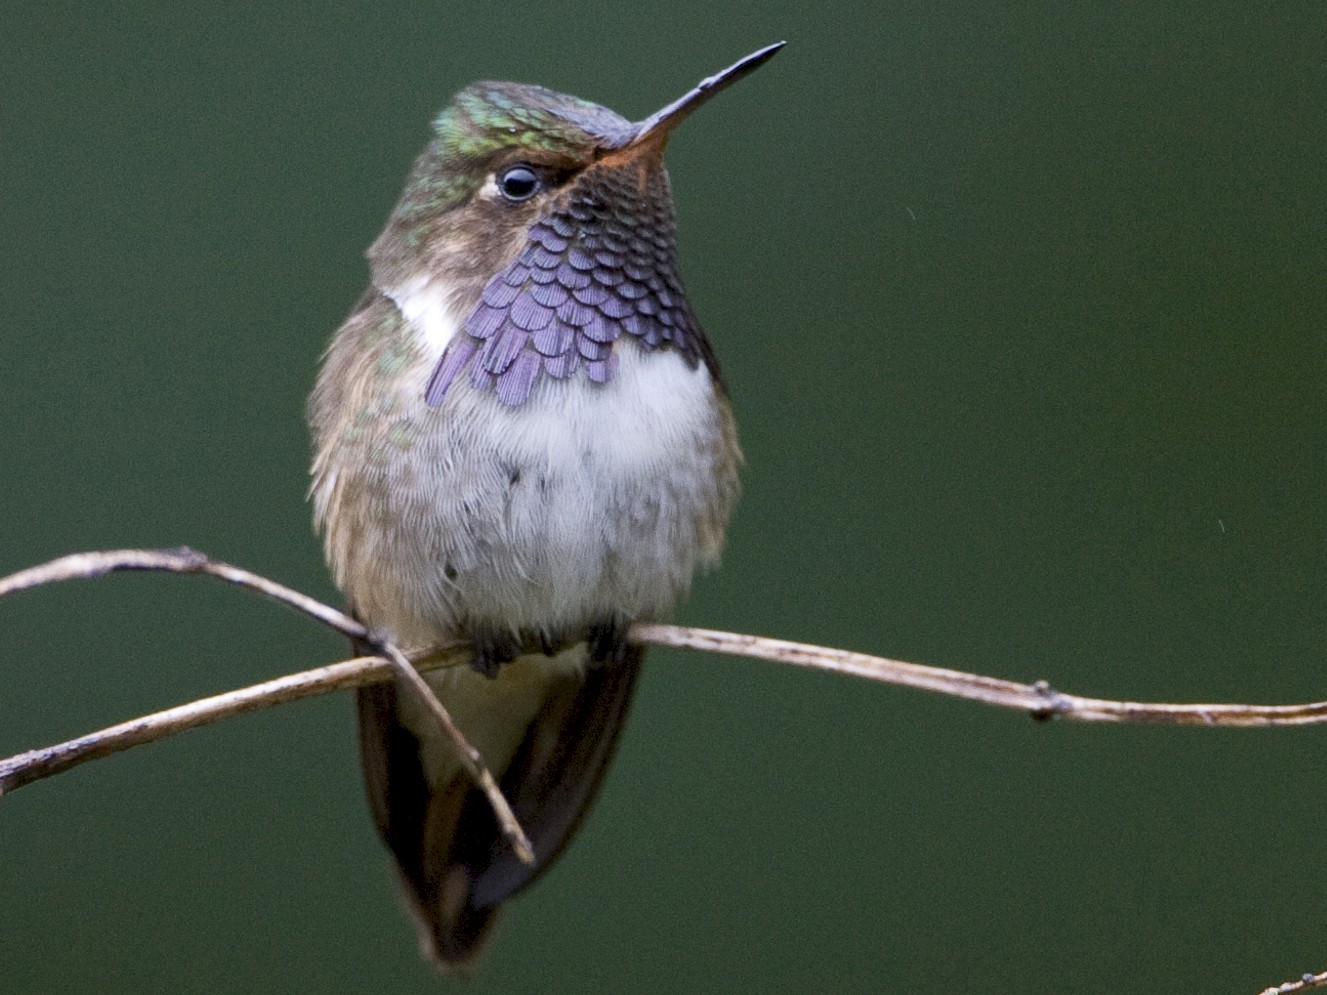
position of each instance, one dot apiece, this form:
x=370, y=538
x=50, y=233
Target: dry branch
x=17, y=771
x=1038, y=699
x=1304, y=983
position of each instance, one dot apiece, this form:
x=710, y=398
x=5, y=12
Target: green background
x=1024, y=312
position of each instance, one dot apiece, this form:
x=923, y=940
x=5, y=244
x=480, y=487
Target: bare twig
x=34, y=765
x=187, y=561
x=469, y=756
x=1037, y=699
x=182, y=560
x=1303, y=984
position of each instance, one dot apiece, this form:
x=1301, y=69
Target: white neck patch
x=425, y=304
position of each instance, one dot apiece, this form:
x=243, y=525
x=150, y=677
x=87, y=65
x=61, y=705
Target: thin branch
x=187, y=561
x=182, y=560
x=35, y=765
x=1303, y=984
x=1038, y=699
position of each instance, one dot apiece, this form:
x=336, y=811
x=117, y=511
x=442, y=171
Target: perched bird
x=522, y=441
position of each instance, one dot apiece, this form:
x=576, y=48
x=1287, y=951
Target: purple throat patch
x=601, y=264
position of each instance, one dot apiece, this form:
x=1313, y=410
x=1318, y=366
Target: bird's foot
x=608, y=642
x=547, y=644
x=491, y=652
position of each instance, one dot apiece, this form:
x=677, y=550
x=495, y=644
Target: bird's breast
x=588, y=501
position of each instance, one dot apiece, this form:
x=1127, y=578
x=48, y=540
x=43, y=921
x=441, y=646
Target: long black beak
x=655, y=128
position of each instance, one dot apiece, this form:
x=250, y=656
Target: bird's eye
x=518, y=183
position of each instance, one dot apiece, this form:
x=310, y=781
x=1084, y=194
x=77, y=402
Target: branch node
x=1056, y=703
x=190, y=558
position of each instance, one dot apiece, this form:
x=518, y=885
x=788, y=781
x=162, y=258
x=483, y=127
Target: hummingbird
x=521, y=442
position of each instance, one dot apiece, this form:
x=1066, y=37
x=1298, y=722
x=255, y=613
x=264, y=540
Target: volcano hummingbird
x=522, y=442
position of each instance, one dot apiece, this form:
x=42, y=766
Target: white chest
x=588, y=501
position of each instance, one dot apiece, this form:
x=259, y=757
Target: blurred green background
x=1024, y=312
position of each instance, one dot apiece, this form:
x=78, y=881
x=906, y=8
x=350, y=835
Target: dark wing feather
x=554, y=777
x=454, y=863
x=393, y=776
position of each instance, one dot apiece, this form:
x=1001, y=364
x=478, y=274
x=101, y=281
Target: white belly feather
x=585, y=503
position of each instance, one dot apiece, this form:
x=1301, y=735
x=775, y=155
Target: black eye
x=518, y=183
